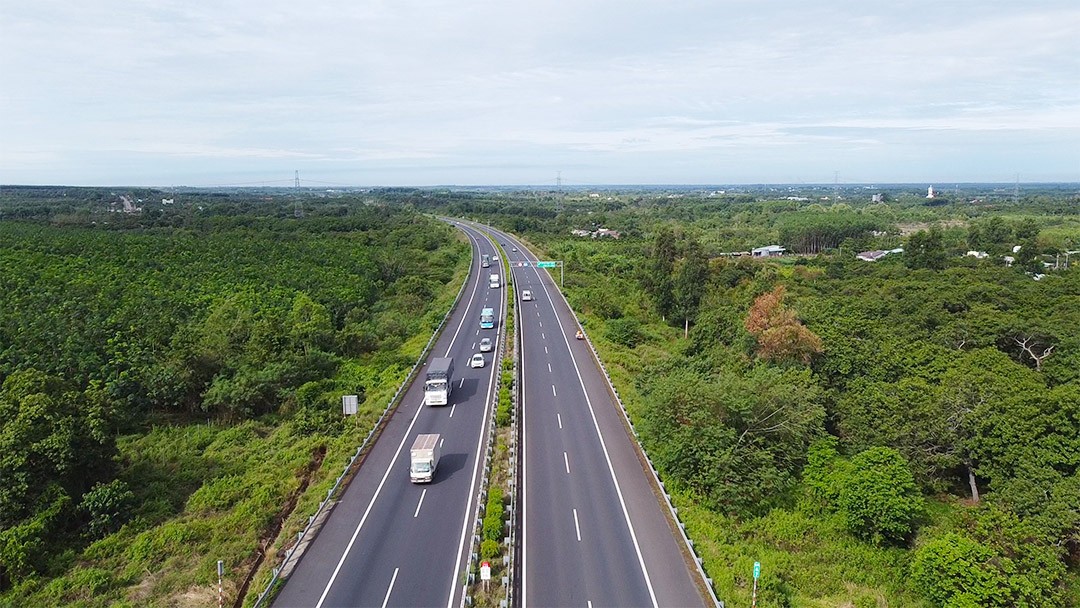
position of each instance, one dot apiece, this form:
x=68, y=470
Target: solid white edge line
x=367, y=511
x=419, y=504
x=386, y=600
x=607, y=457
x=393, y=460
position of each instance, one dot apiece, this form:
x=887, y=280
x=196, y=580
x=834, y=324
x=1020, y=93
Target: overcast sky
x=503, y=92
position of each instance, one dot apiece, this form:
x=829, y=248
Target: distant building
x=598, y=233
x=769, y=251
x=877, y=254
x=977, y=254
x=930, y=192
x=877, y=198
x=166, y=201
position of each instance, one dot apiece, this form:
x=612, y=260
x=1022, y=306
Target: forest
x=170, y=380
x=903, y=432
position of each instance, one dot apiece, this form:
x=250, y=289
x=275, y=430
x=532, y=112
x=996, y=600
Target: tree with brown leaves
x=780, y=335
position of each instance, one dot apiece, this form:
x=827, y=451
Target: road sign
x=485, y=571
x=757, y=569
x=546, y=264
x=348, y=404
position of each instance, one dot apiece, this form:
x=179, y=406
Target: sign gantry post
x=554, y=264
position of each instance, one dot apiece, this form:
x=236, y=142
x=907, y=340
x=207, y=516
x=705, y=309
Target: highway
x=593, y=532
x=389, y=542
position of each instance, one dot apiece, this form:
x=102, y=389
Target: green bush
x=879, y=498
x=489, y=549
x=625, y=331
x=493, y=515
x=951, y=571
x=502, y=412
x=825, y=470
x=109, y=506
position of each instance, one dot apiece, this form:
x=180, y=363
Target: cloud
x=622, y=89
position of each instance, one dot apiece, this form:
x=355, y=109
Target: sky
x=513, y=92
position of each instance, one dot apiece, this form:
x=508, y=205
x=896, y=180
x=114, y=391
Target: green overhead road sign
x=546, y=264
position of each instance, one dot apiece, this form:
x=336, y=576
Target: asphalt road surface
x=389, y=542
x=593, y=532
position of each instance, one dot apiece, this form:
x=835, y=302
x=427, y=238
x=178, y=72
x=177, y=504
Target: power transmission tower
x=298, y=210
x=559, y=192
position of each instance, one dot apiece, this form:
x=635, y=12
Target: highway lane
x=393, y=543
x=593, y=530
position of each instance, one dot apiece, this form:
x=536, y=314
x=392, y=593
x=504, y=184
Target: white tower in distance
x=930, y=192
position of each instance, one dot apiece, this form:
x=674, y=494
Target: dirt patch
x=909, y=229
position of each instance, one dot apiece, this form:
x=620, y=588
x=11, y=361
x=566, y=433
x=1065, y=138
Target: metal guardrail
x=372, y=434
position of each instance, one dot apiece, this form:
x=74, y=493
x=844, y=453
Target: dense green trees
x=105, y=329
x=924, y=375
x=815, y=232
x=736, y=437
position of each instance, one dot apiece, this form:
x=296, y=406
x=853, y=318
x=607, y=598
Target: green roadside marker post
x=757, y=573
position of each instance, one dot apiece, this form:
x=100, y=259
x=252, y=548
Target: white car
x=485, y=345
x=526, y=296
x=477, y=360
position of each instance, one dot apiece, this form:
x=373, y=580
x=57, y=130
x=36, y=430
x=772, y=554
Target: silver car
x=485, y=345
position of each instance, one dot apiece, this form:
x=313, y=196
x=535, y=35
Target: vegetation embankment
x=901, y=432
x=171, y=383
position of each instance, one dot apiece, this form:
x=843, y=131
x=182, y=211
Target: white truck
x=424, y=458
x=493, y=281
x=439, y=381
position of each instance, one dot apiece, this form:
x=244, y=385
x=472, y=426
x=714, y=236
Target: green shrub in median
x=489, y=549
x=502, y=408
x=493, y=515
